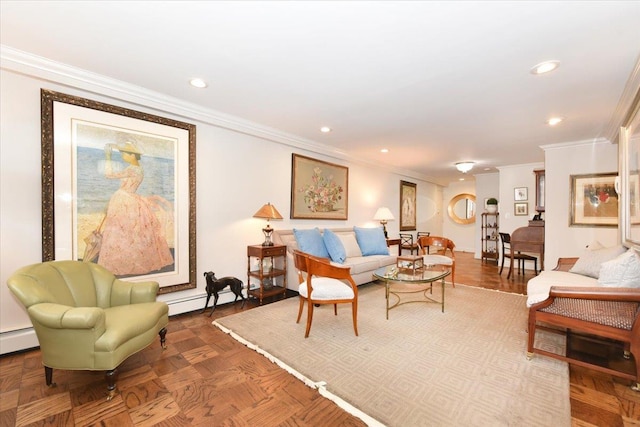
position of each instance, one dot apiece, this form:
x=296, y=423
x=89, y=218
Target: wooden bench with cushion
x=604, y=312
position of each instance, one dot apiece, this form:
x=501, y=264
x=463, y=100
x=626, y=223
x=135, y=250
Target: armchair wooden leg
x=309, y=319
x=300, y=310
x=163, y=335
x=354, y=313
x=111, y=377
x=48, y=376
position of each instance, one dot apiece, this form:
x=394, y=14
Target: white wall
x=236, y=172
x=562, y=161
x=462, y=234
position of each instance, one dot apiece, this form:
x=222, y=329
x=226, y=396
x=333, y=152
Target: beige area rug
x=464, y=367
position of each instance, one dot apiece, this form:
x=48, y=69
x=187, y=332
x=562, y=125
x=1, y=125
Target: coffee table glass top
x=424, y=275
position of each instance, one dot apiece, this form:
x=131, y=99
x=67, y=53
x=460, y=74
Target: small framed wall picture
x=521, y=209
x=520, y=194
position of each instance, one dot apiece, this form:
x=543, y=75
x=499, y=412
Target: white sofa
x=362, y=267
x=614, y=266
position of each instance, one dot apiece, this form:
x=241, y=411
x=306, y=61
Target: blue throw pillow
x=311, y=242
x=371, y=241
x=334, y=246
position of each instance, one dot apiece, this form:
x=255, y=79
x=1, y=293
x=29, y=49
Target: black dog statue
x=214, y=286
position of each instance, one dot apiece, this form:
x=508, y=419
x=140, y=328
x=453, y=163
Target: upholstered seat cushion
x=361, y=264
x=437, y=259
x=539, y=286
x=325, y=288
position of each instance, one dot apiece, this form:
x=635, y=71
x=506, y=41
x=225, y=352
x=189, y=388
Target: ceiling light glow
x=464, y=167
x=198, y=83
x=545, y=67
x=325, y=129
x=384, y=150
x=554, y=121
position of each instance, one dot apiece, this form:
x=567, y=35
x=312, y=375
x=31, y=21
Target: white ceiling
x=435, y=82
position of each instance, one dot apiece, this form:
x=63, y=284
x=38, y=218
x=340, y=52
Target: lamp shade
x=268, y=211
x=383, y=214
x=464, y=167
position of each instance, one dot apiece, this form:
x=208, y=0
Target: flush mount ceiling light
x=554, y=121
x=384, y=150
x=464, y=167
x=325, y=129
x=545, y=67
x=198, y=83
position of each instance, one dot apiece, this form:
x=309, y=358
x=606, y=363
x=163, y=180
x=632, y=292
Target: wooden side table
x=395, y=242
x=270, y=273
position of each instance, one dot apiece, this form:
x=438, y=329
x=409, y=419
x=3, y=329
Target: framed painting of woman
x=118, y=189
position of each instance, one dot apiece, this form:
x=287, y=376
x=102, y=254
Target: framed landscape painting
x=594, y=200
x=118, y=189
x=319, y=190
x=407, y=206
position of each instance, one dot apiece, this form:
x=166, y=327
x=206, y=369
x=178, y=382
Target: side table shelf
x=267, y=276
x=490, y=236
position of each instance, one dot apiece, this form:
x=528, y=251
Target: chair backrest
x=506, y=242
x=71, y=283
x=440, y=244
x=406, y=239
x=300, y=261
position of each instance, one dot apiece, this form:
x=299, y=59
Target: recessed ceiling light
x=198, y=83
x=464, y=167
x=545, y=67
x=554, y=121
x=384, y=150
x=325, y=129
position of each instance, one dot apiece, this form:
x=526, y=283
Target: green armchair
x=87, y=319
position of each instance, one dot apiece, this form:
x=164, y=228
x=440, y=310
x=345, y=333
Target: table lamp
x=267, y=211
x=383, y=215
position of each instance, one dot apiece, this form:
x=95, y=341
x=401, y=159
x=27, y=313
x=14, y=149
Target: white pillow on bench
x=623, y=271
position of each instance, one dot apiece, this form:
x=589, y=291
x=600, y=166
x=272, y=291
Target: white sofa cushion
x=590, y=262
x=623, y=271
x=350, y=244
x=538, y=287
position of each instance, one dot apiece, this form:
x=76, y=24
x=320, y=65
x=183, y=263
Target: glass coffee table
x=400, y=281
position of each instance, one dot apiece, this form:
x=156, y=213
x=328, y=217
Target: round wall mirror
x=462, y=208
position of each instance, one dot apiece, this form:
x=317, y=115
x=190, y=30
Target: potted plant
x=492, y=205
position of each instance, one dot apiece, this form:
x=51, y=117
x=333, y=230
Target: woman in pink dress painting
x=133, y=242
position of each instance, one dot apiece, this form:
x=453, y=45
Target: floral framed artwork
x=521, y=209
x=594, y=200
x=407, y=206
x=118, y=189
x=319, y=190
x=521, y=194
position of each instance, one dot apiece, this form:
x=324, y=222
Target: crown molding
x=629, y=96
x=118, y=91
x=594, y=141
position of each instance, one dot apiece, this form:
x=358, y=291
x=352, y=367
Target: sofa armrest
x=125, y=293
x=565, y=264
x=596, y=293
x=58, y=316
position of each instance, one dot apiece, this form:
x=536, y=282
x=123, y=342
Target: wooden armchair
x=441, y=246
x=611, y=313
x=324, y=283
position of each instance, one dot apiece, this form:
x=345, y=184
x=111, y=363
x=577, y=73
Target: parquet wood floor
x=207, y=378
